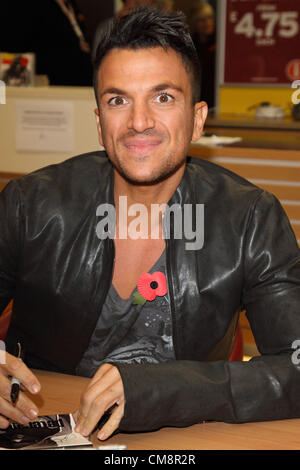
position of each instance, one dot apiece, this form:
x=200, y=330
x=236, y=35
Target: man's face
x=146, y=119
x=205, y=24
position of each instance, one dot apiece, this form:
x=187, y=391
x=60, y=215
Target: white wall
x=85, y=131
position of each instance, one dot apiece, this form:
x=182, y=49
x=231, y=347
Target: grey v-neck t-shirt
x=130, y=333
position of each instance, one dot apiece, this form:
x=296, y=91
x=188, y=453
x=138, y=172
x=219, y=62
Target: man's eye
x=164, y=98
x=117, y=101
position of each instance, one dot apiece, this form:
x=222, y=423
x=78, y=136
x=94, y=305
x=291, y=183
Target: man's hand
x=103, y=392
x=24, y=409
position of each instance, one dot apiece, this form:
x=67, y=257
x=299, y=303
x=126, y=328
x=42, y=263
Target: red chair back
x=238, y=349
x=4, y=320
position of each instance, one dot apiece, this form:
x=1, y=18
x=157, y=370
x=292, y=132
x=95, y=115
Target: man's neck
x=157, y=193
x=152, y=202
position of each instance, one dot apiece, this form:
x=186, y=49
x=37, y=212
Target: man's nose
x=141, y=117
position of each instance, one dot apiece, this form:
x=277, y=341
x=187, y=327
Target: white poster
x=45, y=125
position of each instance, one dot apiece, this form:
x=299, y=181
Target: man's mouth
x=141, y=145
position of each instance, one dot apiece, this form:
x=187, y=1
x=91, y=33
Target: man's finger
x=8, y=411
x=16, y=368
x=95, y=388
x=4, y=423
x=24, y=406
x=75, y=415
x=113, y=423
x=101, y=403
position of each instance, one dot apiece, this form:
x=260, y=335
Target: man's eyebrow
x=160, y=87
x=164, y=86
x=113, y=91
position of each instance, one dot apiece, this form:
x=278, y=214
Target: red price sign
x=262, y=41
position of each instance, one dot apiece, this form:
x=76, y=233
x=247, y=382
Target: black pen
x=15, y=383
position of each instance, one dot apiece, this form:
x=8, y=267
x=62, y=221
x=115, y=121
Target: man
x=204, y=38
x=77, y=282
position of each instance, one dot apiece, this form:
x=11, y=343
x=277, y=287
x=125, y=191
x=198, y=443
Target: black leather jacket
x=58, y=272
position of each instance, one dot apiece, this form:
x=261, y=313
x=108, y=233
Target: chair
x=238, y=349
x=4, y=320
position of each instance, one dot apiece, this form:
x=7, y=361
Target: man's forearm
x=182, y=393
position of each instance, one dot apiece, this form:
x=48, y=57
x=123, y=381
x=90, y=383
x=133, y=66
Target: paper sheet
x=217, y=140
x=44, y=125
x=47, y=432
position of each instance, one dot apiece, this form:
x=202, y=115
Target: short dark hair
x=147, y=27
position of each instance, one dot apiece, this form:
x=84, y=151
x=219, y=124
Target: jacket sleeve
x=10, y=239
x=182, y=393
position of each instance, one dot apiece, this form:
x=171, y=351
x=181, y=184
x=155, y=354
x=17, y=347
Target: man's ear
x=200, y=115
x=97, y=114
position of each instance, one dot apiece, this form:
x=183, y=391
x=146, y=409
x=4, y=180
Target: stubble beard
x=157, y=175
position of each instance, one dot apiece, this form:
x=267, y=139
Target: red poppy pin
x=149, y=286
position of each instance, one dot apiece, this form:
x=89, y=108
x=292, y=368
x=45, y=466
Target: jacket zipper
x=170, y=290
